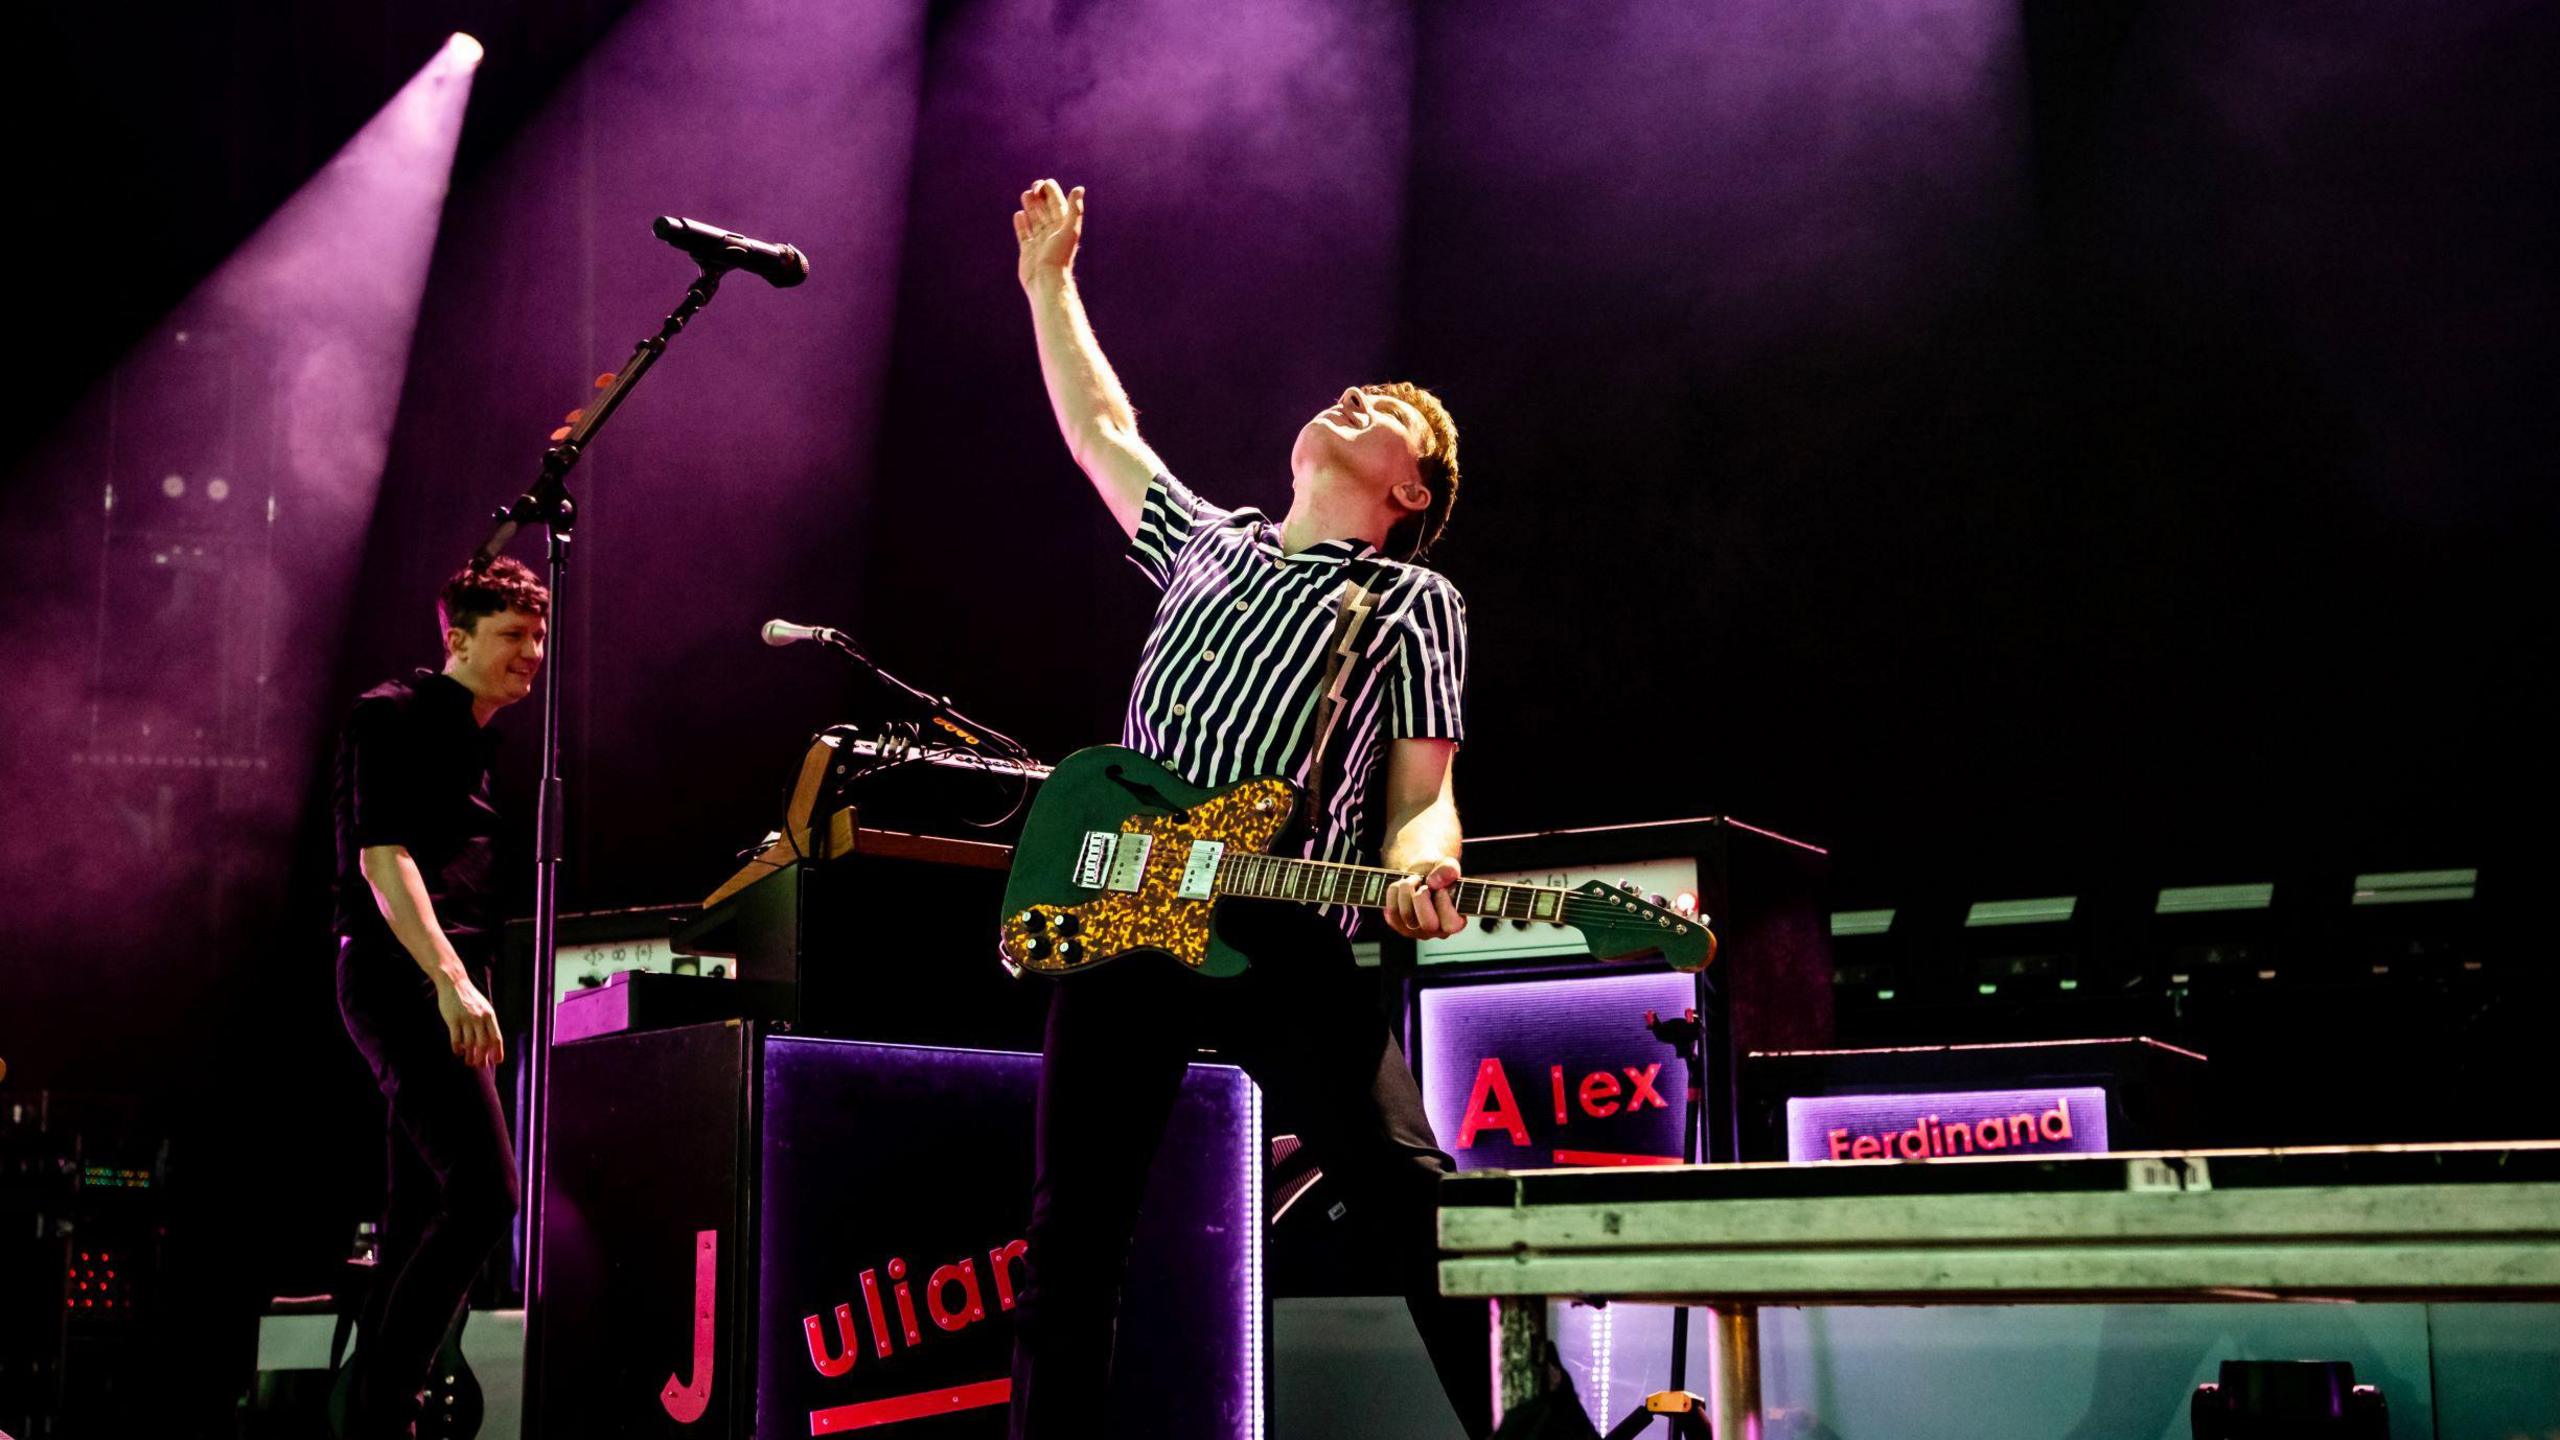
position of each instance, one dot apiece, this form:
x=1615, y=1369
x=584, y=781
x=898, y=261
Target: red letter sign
x=1492, y=1084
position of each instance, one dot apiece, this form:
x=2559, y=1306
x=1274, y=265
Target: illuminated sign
x=896, y=1183
x=2053, y=1120
x=1526, y=1074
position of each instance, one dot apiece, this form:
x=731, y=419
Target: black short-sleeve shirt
x=413, y=770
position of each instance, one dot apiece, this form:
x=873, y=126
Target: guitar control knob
x=1490, y=923
x=1068, y=924
x=1660, y=902
x=1627, y=885
x=1031, y=921
x=1036, y=948
x=1070, y=951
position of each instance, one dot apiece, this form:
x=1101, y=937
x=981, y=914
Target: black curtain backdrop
x=2006, y=443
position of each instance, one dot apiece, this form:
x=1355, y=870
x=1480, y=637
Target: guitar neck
x=1316, y=882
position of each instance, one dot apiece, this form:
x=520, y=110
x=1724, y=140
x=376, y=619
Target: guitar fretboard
x=1278, y=877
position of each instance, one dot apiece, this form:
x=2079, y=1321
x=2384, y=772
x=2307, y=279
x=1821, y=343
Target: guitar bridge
x=1200, y=872
x=1094, y=860
x=1113, y=860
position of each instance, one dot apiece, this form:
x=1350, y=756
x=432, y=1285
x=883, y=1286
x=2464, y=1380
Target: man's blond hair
x=1413, y=536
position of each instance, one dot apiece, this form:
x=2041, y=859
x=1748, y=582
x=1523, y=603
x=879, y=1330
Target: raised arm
x=1093, y=412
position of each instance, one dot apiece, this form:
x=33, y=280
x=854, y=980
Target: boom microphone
x=783, y=632
x=713, y=248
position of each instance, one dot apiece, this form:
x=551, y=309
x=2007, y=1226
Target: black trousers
x=453, y=1185
x=1304, y=1024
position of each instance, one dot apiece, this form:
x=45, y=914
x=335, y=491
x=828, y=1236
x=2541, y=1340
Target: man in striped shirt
x=1227, y=689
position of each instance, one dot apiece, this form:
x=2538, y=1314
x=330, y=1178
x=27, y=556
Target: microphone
x=713, y=248
x=783, y=632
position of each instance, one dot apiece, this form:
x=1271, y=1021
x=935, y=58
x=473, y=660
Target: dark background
x=2023, y=447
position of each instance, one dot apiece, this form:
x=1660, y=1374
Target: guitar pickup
x=1094, y=860
x=1113, y=860
x=1129, y=861
x=1200, y=872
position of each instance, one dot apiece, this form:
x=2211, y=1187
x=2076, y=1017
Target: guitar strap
x=1357, y=601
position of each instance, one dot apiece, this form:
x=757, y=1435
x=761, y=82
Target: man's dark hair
x=507, y=584
x=1413, y=536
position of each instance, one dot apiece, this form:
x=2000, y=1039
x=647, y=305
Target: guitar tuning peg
x=574, y=416
x=560, y=434
x=604, y=379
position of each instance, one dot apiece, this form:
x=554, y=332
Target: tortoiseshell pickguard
x=1155, y=916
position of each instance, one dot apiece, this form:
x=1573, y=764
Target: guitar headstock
x=1623, y=925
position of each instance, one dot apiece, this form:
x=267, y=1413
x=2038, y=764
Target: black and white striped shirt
x=1226, y=686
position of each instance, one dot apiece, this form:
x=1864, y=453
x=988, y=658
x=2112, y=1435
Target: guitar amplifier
x=889, y=936
x=1768, y=989
x=599, y=944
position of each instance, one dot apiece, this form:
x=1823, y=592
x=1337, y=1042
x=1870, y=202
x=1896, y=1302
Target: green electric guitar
x=1120, y=854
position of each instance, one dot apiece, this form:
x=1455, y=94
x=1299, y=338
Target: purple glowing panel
x=1527, y=1074
x=2060, y=1120
x=896, y=1186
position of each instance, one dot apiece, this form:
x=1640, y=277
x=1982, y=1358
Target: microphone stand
x=548, y=504
x=1686, y=1033
x=938, y=708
